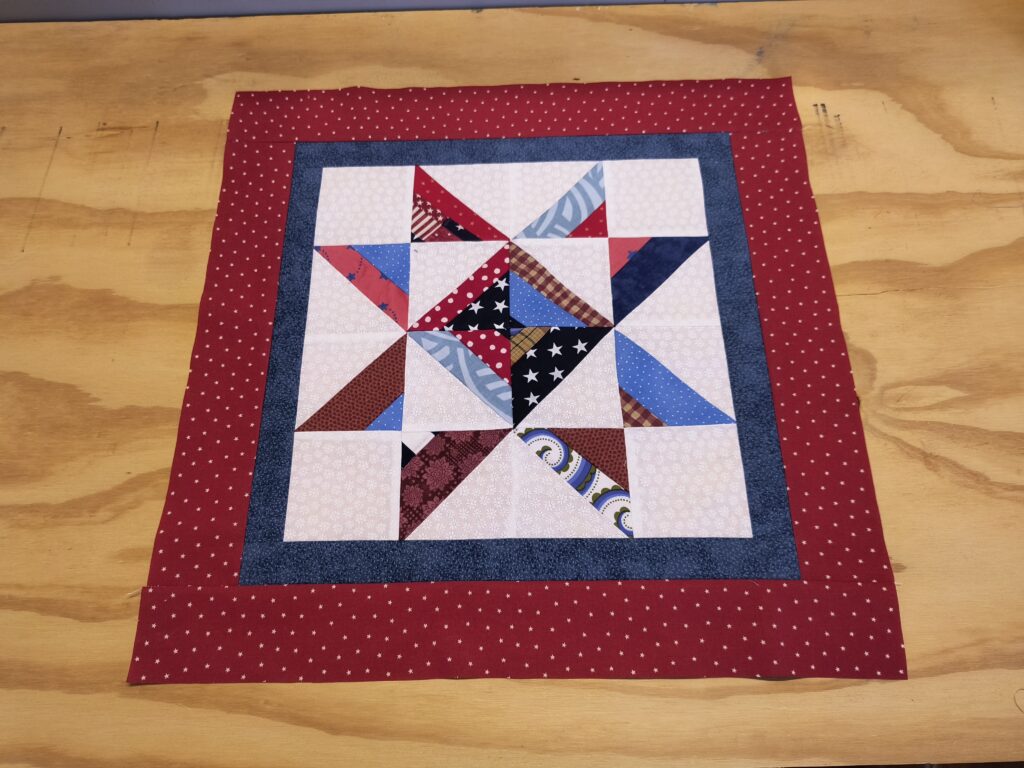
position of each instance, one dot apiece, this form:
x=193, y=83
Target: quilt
x=518, y=381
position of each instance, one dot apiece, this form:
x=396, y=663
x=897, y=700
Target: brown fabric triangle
x=604, y=448
x=438, y=469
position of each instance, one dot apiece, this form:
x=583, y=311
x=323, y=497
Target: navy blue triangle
x=647, y=269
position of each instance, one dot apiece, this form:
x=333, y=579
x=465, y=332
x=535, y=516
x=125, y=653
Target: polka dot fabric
x=492, y=347
x=840, y=620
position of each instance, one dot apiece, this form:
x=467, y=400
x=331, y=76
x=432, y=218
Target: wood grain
x=111, y=137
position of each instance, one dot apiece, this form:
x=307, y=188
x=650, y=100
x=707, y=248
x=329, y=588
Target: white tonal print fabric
x=687, y=482
x=344, y=486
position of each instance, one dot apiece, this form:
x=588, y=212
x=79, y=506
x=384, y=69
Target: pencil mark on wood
x=143, y=179
x=42, y=186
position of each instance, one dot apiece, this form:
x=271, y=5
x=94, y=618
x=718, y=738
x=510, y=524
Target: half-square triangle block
x=330, y=361
x=389, y=296
x=438, y=215
x=478, y=507
x=450, y=387
x=660, y=391
x=609, y=498
x=338, y=306
x=579, y=266
x=540, y=298
x=479, y=302
x=362, y=401
x=687, y=297
x=547, y=362
x=586, y=396
x=647, y=268
x=546, y=507
x=485, y=188
x=439, y=468
x=695, y=354
x=573, y=209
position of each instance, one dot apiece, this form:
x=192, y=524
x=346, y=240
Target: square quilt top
x=517, y=359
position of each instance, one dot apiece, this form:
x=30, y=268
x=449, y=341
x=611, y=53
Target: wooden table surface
x=111, y=137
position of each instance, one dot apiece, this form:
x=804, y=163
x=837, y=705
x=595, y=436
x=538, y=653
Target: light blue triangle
x=391, y=418
x=529, y=307
x=571, y=209
x=392, y=260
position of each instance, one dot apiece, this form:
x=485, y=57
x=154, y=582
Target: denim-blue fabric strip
x=769, y=554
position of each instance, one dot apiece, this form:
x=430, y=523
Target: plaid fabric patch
x=635, y=415
x=534, y=273
x=526, y=340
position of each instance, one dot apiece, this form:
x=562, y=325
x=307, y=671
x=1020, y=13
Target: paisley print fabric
x=609, y=498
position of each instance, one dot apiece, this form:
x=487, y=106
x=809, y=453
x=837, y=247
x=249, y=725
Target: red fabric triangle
x=437, y=215
x=494, y=348
x=620, y=248
x=595, y=225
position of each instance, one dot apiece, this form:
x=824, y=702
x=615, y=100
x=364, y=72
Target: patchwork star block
x=578, y=327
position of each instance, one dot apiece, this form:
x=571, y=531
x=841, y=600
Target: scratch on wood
x=142, y=182
x=217, y=157
x=42, y=186
x=879, y=293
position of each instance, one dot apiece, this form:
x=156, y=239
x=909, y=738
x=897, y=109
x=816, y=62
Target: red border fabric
x=841, y=620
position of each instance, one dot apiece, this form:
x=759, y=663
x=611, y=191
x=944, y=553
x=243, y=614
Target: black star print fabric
x=488, y=312
x=547, y=363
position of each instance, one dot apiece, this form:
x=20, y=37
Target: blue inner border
x=769, y=554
